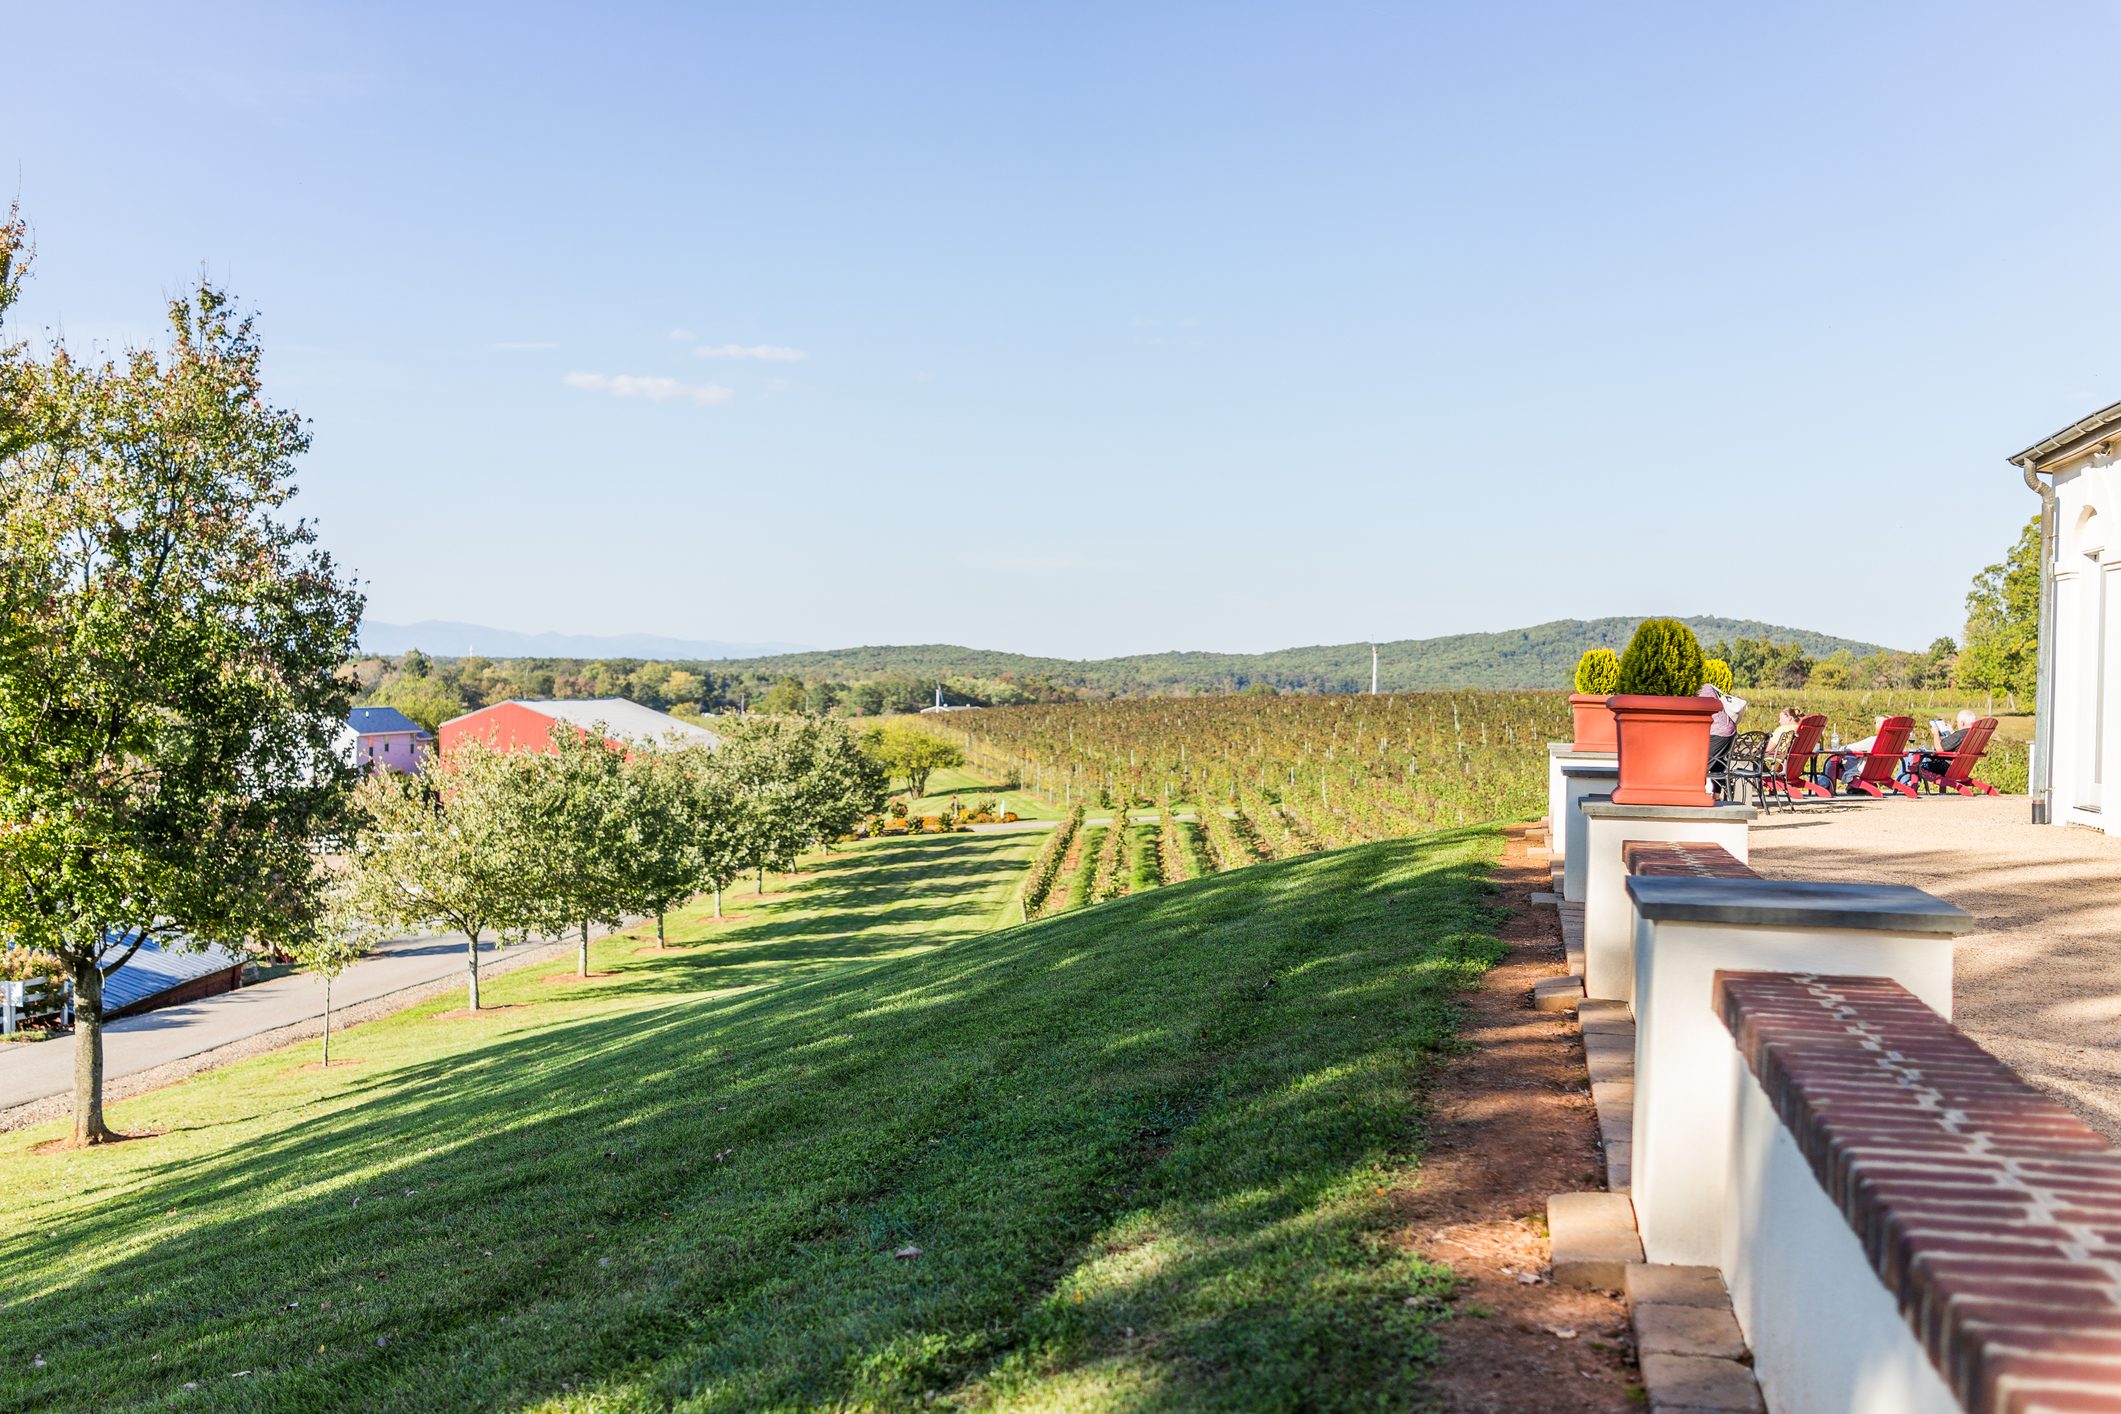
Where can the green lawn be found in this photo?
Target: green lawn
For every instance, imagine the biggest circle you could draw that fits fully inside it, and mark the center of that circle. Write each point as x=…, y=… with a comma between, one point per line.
x=1143, y=1152
x=972, y=786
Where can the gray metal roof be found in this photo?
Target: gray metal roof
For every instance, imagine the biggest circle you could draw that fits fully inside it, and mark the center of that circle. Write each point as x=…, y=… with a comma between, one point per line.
x=371, y=721
x=2104, y=418
x=624, y=720
x=155, y=969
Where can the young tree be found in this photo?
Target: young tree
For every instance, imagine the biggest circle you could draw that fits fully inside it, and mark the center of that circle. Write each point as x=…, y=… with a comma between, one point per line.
x=168, y=683
x=328, y=951
x=839, y=783
x=442, y=852
x=665, y=810
x=570, y=818
x=904, y=749
x=767, y=761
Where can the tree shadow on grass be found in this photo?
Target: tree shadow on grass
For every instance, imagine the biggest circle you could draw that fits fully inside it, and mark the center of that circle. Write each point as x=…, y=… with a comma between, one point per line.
x=1158, y=1115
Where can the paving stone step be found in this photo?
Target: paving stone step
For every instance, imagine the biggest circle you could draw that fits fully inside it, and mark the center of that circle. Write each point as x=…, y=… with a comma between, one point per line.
x=1557, y=993
x=1677, y=1383
x=1662, y=1284
x=1592, y=1239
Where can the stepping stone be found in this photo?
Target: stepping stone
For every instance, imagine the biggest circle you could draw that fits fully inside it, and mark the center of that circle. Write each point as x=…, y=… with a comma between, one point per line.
x=1688, y=1330
x=1664, y=1284
x=1604, y=1014
x=1592, y=1239
x=1695, y=1382
x=1544, y=899
x=1557, y=993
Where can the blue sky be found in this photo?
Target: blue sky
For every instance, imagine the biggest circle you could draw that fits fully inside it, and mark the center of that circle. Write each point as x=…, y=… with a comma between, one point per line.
x=1094, y=329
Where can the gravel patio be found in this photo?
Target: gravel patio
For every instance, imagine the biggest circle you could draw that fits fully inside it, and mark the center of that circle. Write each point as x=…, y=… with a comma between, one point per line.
x=2038, y=982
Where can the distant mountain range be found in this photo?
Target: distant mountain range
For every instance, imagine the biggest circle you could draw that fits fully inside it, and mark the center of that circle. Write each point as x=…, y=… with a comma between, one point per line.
x=441, y=639
x=1540, y=656
x=1543, y=655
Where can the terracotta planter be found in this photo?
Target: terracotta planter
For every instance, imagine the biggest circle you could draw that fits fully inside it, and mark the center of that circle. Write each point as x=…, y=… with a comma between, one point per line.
x=1594, y=722
x=1664, y=750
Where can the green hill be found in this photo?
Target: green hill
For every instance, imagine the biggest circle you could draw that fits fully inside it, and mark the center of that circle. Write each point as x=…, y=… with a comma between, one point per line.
x=850, y=1151
x=1540, y=656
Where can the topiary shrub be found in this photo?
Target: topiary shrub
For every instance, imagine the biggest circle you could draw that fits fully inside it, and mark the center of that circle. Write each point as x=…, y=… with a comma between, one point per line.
x=1716, y=673
x=1663, y=659
x=1597, y=671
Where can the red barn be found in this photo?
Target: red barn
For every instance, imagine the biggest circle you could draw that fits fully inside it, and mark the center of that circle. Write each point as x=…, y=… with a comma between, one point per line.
x=527, y=726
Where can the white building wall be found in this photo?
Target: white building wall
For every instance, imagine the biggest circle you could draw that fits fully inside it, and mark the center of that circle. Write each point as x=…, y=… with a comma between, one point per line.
x=2086, y=723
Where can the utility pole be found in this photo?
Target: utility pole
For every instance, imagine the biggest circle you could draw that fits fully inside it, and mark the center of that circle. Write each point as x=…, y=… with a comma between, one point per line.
x=1373, y=670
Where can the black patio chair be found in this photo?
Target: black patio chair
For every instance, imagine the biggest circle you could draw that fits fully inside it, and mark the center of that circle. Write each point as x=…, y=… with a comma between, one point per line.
x=1741, y=774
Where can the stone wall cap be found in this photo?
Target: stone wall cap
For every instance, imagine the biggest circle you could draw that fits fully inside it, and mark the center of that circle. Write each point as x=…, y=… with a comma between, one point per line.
x=1590, y=766
x=1601, y=807
x=1794, y=903
x=1568, y=748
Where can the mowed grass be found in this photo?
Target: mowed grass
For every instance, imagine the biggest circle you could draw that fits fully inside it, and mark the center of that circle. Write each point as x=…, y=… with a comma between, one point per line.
x=970, y=787
x=846, y=1152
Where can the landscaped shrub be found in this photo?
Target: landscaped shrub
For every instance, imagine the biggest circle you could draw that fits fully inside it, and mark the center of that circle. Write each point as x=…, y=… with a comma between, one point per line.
x=1716, y=673
x=1597, y=671
x=1663, y=659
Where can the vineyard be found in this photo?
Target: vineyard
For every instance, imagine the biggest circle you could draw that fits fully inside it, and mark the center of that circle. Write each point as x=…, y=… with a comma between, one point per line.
x=1261, y=777
x=1239, y=779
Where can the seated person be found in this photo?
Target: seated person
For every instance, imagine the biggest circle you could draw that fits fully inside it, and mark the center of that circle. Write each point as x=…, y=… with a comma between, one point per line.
x=1778, y=742
x=1848, y=763
x=1940, y=740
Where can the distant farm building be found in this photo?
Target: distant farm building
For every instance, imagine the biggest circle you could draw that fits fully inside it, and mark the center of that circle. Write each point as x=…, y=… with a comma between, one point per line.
x=158, y=976
x=385, y=739
x=527, y=726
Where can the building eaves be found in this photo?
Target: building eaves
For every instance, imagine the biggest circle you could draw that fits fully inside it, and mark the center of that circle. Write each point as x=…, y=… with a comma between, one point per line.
x=2105, y=420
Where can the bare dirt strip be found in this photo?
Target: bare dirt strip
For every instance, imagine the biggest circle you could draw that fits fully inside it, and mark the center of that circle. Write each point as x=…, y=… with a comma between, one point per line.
x=1511, y=1123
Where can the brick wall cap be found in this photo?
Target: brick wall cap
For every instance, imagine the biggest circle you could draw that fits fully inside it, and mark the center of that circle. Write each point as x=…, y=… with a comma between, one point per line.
x=1794, y=903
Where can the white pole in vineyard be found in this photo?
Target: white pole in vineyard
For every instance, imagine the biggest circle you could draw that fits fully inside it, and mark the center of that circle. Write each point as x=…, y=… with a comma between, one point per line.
x=1373, y=670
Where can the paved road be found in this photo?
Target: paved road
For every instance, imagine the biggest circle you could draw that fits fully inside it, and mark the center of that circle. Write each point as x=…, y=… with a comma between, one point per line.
x=136, y=1043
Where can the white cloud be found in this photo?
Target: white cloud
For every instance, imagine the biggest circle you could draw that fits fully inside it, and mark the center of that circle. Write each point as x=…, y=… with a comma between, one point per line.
x=682, y=336
x=655, y=390
x=764, y=353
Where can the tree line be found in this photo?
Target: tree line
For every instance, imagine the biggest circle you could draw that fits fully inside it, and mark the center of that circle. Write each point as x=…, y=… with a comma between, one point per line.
x=514, y=845
x=433, y=690
x=1997, y=654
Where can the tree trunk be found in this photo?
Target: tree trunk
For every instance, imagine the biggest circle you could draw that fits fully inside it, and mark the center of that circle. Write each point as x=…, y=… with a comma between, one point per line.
x=89, y=1127
x=327, y=1022
x=762, y=879
x=471, y=954
x=717, y=903
x=581, y=964
x=660, y=942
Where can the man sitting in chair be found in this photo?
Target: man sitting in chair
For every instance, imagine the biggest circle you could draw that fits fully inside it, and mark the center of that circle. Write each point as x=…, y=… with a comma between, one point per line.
x=1940, y=740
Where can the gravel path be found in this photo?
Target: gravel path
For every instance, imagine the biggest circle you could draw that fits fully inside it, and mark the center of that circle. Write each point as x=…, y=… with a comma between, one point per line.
x=2039, y=980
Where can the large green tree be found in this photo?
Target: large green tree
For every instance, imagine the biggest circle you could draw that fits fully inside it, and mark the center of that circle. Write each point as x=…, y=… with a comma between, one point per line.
x=2003, y=622
x=169, y=646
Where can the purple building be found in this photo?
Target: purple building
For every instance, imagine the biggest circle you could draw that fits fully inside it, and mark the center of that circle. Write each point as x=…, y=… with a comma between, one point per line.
x=385, y=739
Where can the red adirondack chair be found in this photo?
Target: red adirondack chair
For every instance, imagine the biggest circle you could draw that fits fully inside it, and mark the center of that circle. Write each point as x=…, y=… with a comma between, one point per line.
x=1958, y=772
x=1789, y=781
x=1883, y=762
